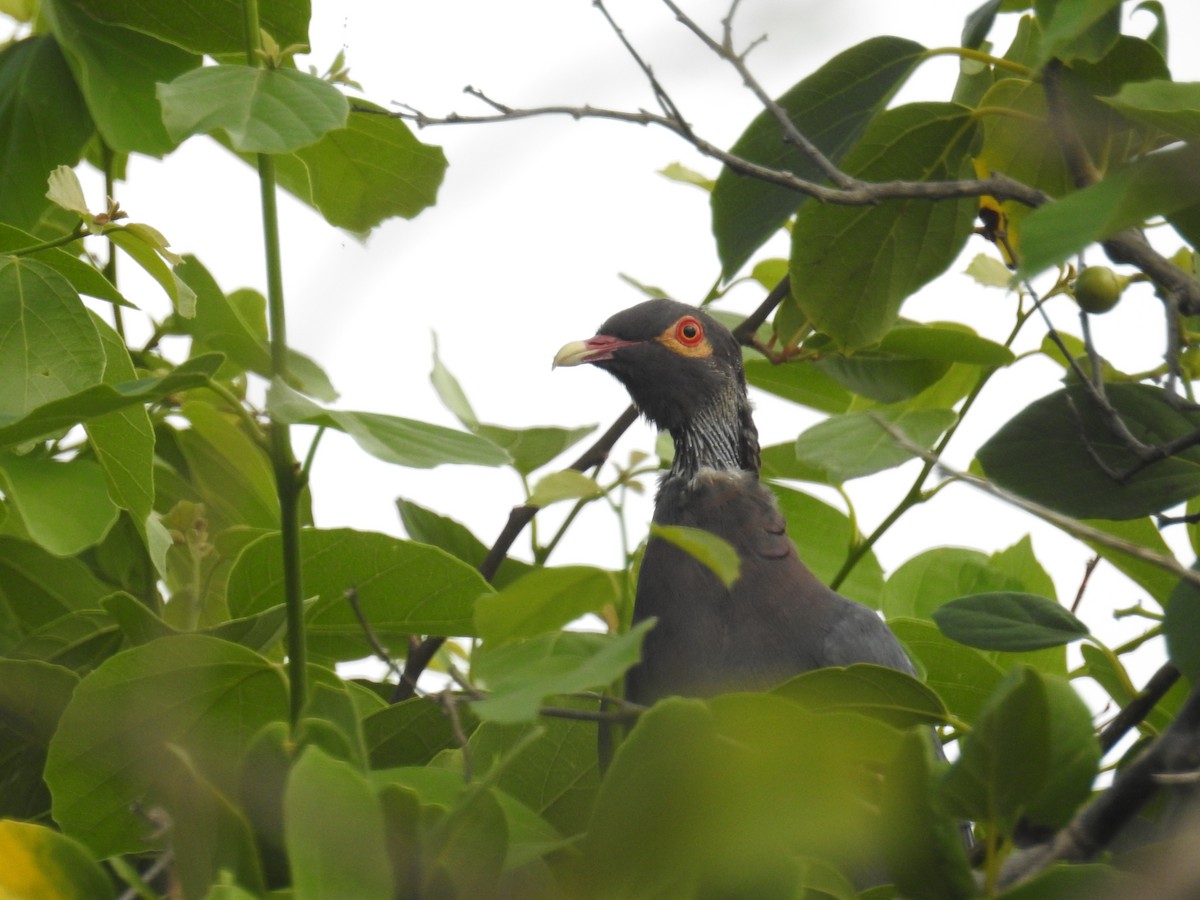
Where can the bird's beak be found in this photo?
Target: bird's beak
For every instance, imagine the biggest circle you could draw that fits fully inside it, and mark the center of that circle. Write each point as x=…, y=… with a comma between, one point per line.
x=594, y=349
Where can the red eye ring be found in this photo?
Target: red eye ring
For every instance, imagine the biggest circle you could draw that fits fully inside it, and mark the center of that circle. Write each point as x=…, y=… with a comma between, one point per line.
x=689, y=331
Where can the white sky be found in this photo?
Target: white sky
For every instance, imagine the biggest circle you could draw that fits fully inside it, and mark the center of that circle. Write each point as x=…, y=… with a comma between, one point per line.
x=535, y=221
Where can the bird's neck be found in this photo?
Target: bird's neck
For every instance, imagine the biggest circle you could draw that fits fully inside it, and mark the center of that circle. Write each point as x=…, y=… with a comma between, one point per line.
x=720, y=436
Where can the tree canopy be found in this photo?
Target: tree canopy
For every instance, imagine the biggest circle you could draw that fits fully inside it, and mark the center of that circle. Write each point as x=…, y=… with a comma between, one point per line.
x=173, y=617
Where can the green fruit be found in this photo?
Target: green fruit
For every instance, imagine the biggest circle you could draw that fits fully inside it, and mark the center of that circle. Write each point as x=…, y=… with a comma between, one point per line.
x=1098, y=288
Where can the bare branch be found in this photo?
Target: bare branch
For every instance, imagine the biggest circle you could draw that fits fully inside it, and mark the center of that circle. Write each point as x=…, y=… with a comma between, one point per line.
x=1137, y=709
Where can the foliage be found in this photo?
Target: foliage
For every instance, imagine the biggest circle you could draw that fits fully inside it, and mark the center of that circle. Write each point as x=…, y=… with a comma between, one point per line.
x=172, y=619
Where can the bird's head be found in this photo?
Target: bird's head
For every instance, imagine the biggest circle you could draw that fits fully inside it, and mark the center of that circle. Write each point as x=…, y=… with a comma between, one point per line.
x=683, y=370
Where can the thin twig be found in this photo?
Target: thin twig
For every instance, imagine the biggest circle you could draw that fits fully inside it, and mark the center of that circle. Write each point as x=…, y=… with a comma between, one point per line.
x=1139, y=707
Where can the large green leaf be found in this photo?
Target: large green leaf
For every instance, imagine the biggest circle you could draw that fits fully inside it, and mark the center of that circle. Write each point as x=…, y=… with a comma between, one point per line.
x=331, y=814
x=206, y=26
x=63, y=504
x=544, y=600
x=883, y=377
x=371, y=170
x=44, y=123
x=205, y=696
x=715, y=553
x=261, y=110
x=860, y=443
x=800, y=381
x=428, y=527
x=1074, y=756
x=858, y=264
x=722, y=795
x=83, y=276
x=102, y=399
x=33, y=695
x=413, y=732
x=1078, y=28
x=1048, y=453
x=831, y=107
x=877, y=691
x=1181, y=625
x=117, y=69
x=49, y=347
x=36, y=588
x=1008, y=620
x=964, y=678
x=1158, y=184
x=403, y=588
x=1154, y=580
x=1172, y=106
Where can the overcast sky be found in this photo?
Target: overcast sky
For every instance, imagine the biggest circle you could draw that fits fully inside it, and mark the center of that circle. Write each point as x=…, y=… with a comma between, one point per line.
x=536, y=220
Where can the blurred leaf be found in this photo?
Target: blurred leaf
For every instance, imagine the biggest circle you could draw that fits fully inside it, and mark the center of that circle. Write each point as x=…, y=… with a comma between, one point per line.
x=1171, y=106
x=229, y=468
x=262, y=110
x=989, y=271
x=1078, y=28
x=1009, y=621
x=831, y=107
x=212, y=27
x=100, y=399
x=117, y=69
x=1074, y=756
x=1155, y=580
x=779, y=462
x=44, y=123
x=78, y=641
x=857, y=444
x=190, y=691
x=64, y=505
x=412, y=733
x=41, y=862
x=567, y=484
x=922, y=846
x=33, y=695
x=1076, y=880
x=859, y=264
x=1181, y=625
x=717, y=554
x=681, y=173
x=876, y=691
x=521, y=674
x=403, y=588
x=331, y=815
x=1005, y=759
x=36, y=588
x=544, y=600
x=144, y=247
x=1048, y=451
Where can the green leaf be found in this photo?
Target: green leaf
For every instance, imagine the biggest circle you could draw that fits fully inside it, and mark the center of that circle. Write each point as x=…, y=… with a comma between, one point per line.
x=1155, y=185
x=831, y=107
x=206, y=696
x=925, y=582
x=544, y=600
x=923, y=847
x=858, y=264
x=1048, y=453
x=1172, y=106
x=84, y=277
x=989, y=271
x=212, y=27
x=823, y=537
x=371, y=170
x=857, y=444
x=948, y=342
x=403, y=588
x=43, y=124
x=877, y=691
x=404, y=442
x=413, y=732
x=532, y=448
x=1078, y=28
x=331, y=815
x=799, y=381
x=36, y=588
x=1155, y=580
x=144, y=246
x=567, y=484
x=1005, y=759
x=521, y=674
x=1074, y=756
x=33, y=695
x=50, y=348
x=714, y=552
x=261, y=110
x=116, y=69
x=1008, y=621
x=964, y=678
x=41, y=862
x=722, y=794
x=230, y=470
x=1181, y=625
x=64, y=505
x=101, y=399
x=428, y=527
x=883, y=377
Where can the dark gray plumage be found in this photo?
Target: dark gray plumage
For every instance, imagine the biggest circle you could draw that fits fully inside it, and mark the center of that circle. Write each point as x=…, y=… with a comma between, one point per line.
x=683, y=370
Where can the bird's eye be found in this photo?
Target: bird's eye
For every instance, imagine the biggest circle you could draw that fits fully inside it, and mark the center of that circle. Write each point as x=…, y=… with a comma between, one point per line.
x=689, y=331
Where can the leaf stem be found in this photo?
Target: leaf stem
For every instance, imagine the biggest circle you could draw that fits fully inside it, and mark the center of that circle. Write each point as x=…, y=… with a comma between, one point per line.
x=62, y=241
